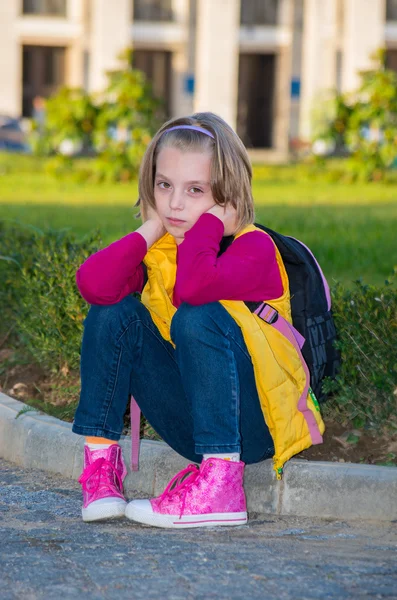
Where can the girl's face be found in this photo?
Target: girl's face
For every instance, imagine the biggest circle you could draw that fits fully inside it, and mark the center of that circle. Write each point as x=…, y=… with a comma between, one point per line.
x=182, y=189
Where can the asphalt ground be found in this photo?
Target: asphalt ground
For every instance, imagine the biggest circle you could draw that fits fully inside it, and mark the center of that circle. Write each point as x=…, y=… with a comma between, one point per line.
x=46, y=551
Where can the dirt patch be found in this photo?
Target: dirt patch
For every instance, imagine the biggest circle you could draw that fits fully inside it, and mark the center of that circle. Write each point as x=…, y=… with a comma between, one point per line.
x=55, y=395
x=58, y=396
x=344, y=444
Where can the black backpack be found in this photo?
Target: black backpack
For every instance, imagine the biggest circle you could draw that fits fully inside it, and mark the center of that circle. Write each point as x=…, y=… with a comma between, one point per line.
x=310, y=307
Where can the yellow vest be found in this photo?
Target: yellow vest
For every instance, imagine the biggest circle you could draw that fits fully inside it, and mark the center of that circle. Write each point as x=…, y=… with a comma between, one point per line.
x=279, y=373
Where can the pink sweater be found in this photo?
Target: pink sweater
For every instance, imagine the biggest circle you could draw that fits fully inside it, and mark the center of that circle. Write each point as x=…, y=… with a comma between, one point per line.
x=247, y=271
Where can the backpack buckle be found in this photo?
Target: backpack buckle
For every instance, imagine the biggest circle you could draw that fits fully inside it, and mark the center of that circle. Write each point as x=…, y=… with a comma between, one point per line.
x=266, y=313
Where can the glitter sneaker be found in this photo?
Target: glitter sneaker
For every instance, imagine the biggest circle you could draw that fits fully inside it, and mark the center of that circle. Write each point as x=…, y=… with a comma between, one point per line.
x=102, y=483
x=208, y=496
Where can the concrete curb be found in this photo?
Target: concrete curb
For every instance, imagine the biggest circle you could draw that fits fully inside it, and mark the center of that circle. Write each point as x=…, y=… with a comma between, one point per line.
x=308, y=489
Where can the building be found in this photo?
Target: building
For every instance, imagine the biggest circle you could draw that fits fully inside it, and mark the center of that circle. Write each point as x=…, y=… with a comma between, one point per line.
x=261, y=64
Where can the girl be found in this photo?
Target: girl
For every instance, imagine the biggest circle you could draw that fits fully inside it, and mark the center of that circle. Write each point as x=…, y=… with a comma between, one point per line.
x=220, y=385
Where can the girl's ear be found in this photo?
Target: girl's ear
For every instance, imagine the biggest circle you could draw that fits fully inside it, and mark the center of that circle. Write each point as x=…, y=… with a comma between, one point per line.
x=146, y=211
x=141, y=213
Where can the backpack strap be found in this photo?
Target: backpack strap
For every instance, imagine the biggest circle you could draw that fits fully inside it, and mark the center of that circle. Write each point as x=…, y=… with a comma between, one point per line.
x=135, y=417
x=272, y=317
x=268, y=314
x=225, y=243
x=145, y=275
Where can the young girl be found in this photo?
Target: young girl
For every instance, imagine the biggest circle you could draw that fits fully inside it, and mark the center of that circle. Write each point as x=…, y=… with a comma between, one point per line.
x=218, y=383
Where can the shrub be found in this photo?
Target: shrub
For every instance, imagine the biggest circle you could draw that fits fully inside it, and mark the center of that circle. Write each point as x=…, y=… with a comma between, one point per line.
x=40, y=296
x=331, y=122
x=15, y=250
x=128, y=117
x=365, y=122
x=69, y=115
x=114, y=126
x=365, y=390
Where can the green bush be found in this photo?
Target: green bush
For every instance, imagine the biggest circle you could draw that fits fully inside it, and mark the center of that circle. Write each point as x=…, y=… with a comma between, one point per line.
x=365, y=391
x=15, y=250
x=69, y=115
x=38, y=295
x=40, y=298
x=114, y=126
x=365, y=122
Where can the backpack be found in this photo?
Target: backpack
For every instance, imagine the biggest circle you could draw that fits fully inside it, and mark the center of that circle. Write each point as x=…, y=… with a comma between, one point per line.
x=310, y=307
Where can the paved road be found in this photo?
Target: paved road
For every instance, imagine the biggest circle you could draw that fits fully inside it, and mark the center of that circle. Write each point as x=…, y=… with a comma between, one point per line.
x=46, y=551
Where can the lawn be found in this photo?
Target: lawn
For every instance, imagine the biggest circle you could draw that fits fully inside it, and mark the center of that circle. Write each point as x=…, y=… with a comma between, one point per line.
x=351, y=228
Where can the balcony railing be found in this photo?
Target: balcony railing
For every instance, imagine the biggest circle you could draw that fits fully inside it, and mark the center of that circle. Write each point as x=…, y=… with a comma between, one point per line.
x=44, y=7
x=391, y=10
x=259, y=12
x=153, y=10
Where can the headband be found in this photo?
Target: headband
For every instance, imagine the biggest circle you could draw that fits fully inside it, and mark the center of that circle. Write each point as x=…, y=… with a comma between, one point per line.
x=194, y=127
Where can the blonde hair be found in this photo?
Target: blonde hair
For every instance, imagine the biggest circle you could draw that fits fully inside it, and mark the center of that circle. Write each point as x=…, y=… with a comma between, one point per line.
x=231, y=171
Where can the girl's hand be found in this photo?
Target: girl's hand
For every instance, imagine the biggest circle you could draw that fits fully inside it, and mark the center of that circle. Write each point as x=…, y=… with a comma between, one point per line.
x=228, y=215
x=152, y=229
x=148, y=213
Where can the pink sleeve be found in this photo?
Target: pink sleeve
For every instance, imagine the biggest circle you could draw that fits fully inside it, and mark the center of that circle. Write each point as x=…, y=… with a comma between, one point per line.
x=109, y=275
x=247, y=271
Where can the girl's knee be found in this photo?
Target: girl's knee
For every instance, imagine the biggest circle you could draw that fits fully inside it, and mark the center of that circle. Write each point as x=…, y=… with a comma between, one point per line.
x=109, y=314
x=190, y=321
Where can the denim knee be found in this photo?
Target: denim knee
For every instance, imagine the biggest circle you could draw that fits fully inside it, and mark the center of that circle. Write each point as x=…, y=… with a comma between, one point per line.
x=190, y=322
x=104, y=318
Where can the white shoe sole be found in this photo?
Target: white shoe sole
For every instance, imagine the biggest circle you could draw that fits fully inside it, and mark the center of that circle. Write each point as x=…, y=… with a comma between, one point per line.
x=141, y=512
x=98, y=511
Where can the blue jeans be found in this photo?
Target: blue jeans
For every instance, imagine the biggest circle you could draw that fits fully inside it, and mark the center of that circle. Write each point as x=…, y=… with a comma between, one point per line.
x=200, y=397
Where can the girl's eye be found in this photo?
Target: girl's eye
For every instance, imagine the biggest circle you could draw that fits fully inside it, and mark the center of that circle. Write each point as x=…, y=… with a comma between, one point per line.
x=163, y=185
x=196, y=190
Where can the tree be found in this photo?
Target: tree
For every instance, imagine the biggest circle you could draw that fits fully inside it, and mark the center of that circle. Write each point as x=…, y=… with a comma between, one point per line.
x=365, y=121
x=115, y=125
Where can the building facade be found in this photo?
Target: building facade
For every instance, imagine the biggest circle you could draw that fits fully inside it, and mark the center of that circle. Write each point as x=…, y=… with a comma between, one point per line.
x=263, y=65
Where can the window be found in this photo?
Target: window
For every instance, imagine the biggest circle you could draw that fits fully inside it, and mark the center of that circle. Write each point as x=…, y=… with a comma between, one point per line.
x=153, y=10
x=44, y=7
x=391, y=59
x=259, y=12
x=391, y=10
x=43, y=72
x=255, y=111
x=156, y=64
x=54, y=66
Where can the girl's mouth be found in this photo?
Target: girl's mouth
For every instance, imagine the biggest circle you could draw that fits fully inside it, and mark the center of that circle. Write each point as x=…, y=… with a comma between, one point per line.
x=175, y=222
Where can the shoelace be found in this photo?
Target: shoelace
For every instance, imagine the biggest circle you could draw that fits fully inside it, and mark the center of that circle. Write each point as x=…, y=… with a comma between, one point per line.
x=97, y=465
x=180, y=484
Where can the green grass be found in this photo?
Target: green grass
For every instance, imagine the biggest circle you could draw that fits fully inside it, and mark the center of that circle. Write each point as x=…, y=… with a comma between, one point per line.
x=351, y=228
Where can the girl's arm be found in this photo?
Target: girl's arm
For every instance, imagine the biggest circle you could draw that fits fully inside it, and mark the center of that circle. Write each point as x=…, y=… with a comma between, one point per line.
x=109, y=275
x=247, y=271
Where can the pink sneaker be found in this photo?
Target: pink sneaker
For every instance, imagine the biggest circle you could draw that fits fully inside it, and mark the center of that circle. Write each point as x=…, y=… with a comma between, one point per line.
x=197, y=497
x=102, y=483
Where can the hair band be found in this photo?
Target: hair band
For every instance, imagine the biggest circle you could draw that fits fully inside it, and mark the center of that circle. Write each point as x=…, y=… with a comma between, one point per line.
x=194, y=127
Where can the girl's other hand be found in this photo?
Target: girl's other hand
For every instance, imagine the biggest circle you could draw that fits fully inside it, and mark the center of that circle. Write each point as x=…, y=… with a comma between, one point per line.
x=228, y=215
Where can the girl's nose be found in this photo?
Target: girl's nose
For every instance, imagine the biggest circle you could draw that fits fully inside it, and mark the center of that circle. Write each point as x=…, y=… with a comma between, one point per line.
x=176, y=200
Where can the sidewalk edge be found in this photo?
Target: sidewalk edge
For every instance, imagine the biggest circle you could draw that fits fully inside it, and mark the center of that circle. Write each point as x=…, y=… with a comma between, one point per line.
x=316, y=489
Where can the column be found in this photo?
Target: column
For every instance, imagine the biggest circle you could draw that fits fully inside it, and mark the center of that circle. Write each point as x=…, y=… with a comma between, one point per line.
x=181, y=100
x=110, y=34
x=319, y=44
x=296, y=72
x=10, y=61
x=74, y=76
x=217, y=54
x=283, y=79
x=364, y=33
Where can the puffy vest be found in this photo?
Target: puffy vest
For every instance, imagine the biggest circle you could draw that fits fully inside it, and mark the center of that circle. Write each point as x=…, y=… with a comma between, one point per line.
x=279, y=373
